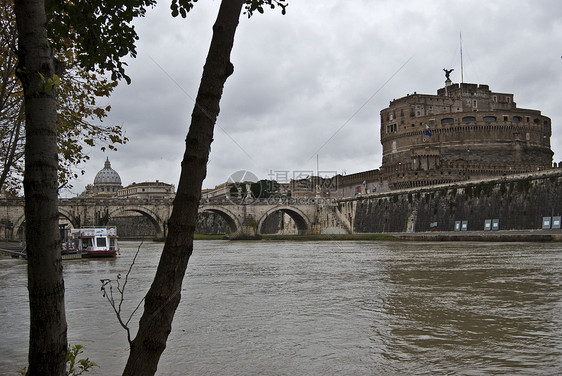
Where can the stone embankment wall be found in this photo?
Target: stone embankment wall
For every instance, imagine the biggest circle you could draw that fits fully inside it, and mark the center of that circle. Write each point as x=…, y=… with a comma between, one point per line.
x=133, y=227
x=210, y=224
x=519, y=202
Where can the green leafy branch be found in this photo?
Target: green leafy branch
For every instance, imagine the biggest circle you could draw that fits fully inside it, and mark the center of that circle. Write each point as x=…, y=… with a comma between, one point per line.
x=75, y=366
x=182, y=7
x=47, y=84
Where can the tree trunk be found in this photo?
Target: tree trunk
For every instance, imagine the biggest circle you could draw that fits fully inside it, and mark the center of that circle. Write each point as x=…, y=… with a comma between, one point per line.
x=47, y=336
x=164, y=294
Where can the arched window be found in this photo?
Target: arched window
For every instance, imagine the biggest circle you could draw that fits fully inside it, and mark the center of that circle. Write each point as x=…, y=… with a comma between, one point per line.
x=490, y=119
x=468, y=119
x=447, y=121
x=516, y=119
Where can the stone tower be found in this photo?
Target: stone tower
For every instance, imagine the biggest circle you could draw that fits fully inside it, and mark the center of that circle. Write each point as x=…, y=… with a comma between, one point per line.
x=464, y=132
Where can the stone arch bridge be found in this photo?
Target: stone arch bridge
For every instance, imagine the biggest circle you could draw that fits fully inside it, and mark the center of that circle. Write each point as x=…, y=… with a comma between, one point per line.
x=311, y=216
x=526, y=201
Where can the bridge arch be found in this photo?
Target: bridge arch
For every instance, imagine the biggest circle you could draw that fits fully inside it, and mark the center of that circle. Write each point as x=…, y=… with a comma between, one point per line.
x=18, y=226
x=69, y=216
x=301, y=219
x=228, y=216
x=158, y=223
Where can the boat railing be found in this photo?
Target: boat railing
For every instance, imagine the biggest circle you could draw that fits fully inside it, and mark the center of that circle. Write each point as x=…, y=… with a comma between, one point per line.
x=97, y=231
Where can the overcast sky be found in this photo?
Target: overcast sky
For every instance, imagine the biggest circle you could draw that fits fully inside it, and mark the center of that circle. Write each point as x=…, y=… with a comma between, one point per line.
x=313, y=82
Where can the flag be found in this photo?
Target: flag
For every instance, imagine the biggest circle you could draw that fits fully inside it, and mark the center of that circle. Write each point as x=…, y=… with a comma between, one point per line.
x=427, y=131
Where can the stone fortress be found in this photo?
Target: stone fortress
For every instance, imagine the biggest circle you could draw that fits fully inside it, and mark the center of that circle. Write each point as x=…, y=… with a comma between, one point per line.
x=465, y=132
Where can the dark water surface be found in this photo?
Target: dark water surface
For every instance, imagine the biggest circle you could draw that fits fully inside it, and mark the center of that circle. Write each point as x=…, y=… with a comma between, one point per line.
x=322, y=308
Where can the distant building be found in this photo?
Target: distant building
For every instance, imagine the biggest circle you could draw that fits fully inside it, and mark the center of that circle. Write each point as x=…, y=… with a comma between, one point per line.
x=107, y=181
x=464, y=132
x=360, y=183
x=147, y=190
x=220, y=193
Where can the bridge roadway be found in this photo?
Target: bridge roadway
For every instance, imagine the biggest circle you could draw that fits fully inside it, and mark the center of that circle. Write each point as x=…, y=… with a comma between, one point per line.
x=311, y=215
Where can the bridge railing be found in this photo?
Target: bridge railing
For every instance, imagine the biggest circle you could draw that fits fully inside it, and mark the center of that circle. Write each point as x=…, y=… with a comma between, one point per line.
x=115, y=201
x=12, y=201
x=275, y=200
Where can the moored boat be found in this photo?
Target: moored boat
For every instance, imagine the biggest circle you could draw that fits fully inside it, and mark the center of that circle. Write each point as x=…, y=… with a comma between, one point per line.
x=95, y=241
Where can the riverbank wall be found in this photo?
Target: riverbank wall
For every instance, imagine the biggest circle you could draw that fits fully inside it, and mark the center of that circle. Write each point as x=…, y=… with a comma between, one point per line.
x=519, y=202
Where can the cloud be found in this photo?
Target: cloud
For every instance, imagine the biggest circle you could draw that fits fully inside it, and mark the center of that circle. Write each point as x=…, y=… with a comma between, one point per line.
x=313, y=82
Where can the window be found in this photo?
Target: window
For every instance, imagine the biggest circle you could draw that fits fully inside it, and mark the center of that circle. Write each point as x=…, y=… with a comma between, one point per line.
x=474, y=103
x=516, y=119
x=468, y=119
x=100, y=242
x=87, y=243
x=447, y=121
x=489, y=119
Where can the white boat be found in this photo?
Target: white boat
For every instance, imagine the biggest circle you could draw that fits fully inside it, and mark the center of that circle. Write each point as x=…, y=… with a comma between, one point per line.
x=95, y=241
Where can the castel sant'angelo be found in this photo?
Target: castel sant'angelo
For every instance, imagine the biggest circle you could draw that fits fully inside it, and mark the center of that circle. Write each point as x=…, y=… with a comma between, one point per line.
x=465, y=132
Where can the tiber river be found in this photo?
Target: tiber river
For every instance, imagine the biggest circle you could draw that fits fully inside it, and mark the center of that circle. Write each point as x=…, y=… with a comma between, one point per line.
x=322, y=308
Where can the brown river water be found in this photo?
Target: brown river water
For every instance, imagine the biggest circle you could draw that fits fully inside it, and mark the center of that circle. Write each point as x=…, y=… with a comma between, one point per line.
x=321, y=308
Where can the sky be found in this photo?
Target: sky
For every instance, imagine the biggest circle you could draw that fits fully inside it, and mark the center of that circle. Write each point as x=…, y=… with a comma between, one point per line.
x=308, y=87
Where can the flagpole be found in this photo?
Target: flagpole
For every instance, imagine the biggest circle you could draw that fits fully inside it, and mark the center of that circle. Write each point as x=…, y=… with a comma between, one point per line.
x=462, y=72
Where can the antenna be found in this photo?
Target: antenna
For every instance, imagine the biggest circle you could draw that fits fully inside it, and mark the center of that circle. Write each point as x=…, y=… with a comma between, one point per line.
x=462, y=72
